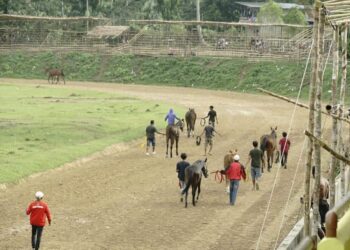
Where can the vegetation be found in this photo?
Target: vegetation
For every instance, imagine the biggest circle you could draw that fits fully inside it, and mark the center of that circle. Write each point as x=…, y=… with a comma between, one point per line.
x=294, y=16
x=270, y=12
x=212, y=73
x=44, y=127
x=122, y=10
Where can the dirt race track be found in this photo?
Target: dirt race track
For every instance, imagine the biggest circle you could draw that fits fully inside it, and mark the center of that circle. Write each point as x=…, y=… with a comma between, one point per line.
x=122, y=199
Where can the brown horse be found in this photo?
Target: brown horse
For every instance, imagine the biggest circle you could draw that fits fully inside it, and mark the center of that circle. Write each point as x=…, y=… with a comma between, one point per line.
x=190, y=118
x=193, y=178
x=173, y=134
x=55, y=74
x=268, y=143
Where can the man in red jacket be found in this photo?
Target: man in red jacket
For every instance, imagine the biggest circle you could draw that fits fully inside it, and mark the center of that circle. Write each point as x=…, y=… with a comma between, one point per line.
x=38, y=211
x=284, y=148
x=234, y=173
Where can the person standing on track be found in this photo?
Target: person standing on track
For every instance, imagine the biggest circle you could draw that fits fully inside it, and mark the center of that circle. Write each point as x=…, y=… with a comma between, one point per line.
x=284, y=148
x=209, y=134
x=151, y=138
x=180, y=169
x=235, y=173
x=38, y=211
x=212, y=116
x=256, y=159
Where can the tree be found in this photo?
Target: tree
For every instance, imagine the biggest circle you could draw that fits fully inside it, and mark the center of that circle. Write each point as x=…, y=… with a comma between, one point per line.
x=223, y=10
x=295, y=16
x=270, y=12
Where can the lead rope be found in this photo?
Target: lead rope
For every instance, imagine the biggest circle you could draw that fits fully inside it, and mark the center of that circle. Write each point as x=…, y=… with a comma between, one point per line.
x=290, y=125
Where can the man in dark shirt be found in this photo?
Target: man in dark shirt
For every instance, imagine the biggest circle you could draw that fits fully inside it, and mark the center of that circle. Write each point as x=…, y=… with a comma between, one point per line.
x=212, y=116
x=180, y=169
x=209, y=134
x=151, y=139
x=256, y=159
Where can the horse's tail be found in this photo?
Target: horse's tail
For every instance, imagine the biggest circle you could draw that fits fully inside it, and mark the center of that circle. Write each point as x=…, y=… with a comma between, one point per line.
x=263, y=141
x=185, y=190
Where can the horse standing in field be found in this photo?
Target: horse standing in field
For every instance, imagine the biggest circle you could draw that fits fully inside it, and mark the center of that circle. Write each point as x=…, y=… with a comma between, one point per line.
x=173, y=134
x=190, y=118
x=55, y=74
x=193, y=178
x=268, y=143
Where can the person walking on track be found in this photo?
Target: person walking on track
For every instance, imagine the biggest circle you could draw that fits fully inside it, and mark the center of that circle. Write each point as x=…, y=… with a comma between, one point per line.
x=212, y=116
x=180, y=169
x=235, y=173
x=209, y=134
x=151, y=138
x=256, y=159
x=284, y=148
x=38, y=211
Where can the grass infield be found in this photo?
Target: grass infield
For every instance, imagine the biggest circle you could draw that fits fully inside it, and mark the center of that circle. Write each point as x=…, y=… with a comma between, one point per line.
x=44, y=127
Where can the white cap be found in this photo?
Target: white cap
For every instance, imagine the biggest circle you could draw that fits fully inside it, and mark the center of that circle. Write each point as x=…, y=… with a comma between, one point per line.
x=39, y=195
x=236, y=157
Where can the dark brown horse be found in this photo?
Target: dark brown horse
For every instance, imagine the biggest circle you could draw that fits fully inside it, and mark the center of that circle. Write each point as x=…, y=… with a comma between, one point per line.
x=55, y=74
x=193, y=178
x=268, y=143
x=173, y=134
x=190, y=118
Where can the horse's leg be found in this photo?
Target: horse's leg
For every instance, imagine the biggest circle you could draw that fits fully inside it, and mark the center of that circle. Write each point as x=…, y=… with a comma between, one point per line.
x=186, y=194
x=171, y=147
x=177, y=145
x=199, y=188
x=167, y=146
x=188, y=130
x=194, y=189
x=48, y=79
x=64, y=81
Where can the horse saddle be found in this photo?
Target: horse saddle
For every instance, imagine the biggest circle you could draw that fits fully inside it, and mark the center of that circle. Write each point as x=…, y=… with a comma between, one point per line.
x=198, y=140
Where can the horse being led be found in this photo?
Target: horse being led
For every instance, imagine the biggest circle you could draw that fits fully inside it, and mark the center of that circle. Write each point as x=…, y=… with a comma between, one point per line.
x=173, y=134
x=193, y=178
x=55, y=74
x=268, y=143
x=190, y=118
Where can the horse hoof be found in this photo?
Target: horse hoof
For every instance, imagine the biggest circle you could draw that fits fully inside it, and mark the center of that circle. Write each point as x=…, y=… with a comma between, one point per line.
x=181, y=199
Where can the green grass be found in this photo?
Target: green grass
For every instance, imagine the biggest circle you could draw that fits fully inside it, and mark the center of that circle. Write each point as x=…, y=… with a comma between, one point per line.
x=200, y=72
x=43, y=127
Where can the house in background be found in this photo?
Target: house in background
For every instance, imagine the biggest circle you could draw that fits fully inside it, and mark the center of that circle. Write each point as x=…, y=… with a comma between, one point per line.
x=249, y=10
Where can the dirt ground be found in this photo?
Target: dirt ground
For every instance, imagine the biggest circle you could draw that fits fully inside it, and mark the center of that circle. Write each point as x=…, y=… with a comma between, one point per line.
x=122, y=199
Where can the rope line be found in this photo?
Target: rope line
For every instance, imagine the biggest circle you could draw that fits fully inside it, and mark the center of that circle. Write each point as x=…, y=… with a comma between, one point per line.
x=278, y=169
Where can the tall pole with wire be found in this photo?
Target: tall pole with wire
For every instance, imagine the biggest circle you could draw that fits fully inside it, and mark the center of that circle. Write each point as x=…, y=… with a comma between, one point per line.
x=311, y=122
x=318, y=124
x=334, y=111
x=344, y=45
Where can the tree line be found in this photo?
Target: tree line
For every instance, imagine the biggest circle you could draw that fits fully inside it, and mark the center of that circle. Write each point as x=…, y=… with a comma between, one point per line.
x=122, y=10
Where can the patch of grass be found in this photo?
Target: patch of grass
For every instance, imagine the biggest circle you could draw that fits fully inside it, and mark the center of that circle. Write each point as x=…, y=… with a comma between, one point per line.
x=42, y=128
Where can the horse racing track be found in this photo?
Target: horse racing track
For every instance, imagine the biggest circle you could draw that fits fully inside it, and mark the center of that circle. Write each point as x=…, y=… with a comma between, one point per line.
x=122, y=199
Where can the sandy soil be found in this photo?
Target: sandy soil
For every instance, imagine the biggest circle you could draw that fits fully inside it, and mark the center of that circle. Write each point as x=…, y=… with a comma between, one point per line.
x=122, y=199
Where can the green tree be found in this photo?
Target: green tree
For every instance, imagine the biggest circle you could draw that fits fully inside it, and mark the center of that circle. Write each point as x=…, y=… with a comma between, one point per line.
x=223, y=10
x=270, y=12
x=295, y=16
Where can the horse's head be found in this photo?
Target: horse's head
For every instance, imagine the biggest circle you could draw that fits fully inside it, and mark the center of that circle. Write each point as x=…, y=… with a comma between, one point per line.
x=191, y=110
x=180, y=124
x=204, y=168
x=273, y=132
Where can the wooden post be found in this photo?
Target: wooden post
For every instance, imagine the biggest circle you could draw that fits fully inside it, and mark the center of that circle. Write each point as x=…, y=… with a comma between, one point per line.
x=318, y=123
x=344, y=42
x=334, y=112
x=312, y=96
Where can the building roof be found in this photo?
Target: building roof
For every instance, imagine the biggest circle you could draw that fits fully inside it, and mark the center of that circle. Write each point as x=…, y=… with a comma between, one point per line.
x=107, y=31
x=285, y=6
